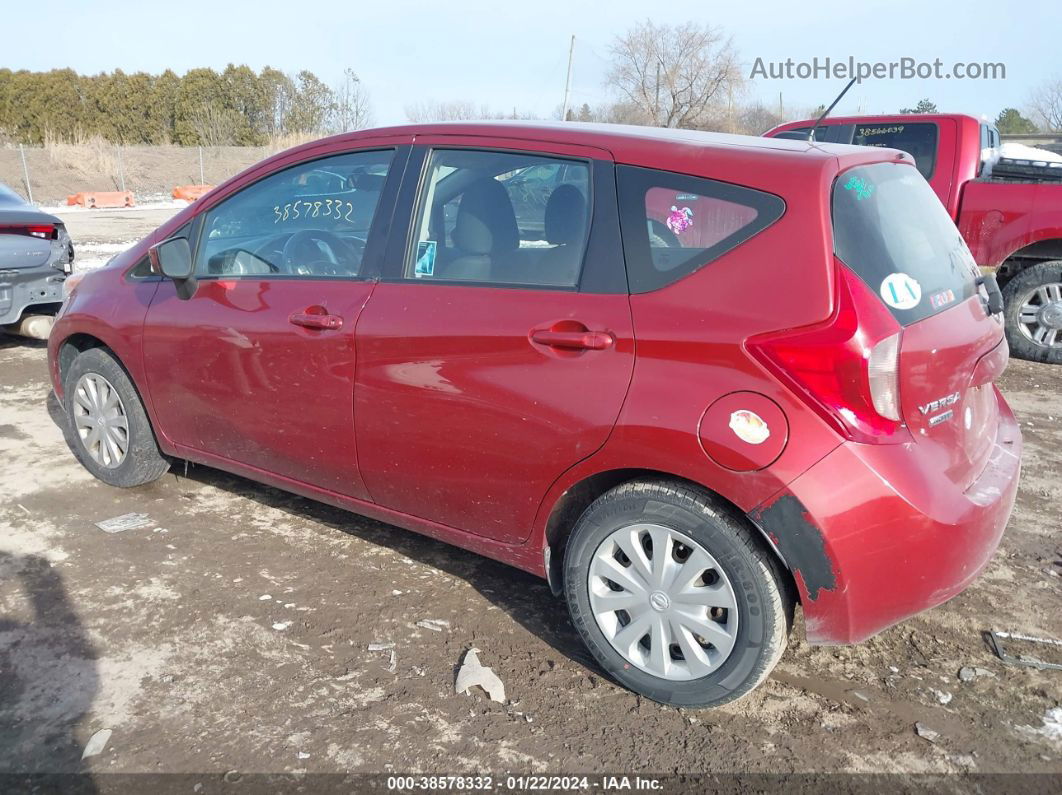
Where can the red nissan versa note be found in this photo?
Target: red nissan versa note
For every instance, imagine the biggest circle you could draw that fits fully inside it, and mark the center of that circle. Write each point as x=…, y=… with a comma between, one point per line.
x=691, y=379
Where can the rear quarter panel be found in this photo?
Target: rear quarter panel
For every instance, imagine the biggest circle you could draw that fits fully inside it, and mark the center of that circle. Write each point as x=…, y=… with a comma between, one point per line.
x=690, y=337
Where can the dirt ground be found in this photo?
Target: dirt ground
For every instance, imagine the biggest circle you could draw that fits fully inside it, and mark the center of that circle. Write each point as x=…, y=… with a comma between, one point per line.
x=148, y=171
x=231, y=633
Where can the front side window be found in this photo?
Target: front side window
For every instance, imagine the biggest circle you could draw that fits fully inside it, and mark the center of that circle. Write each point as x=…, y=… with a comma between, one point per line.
x=311, y=220
x=501, y=218
x=674, y=224
x=918, y=139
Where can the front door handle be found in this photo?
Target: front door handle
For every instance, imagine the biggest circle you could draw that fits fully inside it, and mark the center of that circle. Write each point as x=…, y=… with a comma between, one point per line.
x=316, y=317
x=574, y=340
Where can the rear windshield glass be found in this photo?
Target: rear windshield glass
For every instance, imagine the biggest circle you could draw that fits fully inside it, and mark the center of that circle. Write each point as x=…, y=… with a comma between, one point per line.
x=891, y=229
x=918, y=139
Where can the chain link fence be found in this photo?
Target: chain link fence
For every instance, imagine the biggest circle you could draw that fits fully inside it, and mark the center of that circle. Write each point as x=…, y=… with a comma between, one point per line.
x=46, y=175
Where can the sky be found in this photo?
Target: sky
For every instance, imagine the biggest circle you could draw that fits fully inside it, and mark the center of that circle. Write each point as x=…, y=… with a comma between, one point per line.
x=513, y=55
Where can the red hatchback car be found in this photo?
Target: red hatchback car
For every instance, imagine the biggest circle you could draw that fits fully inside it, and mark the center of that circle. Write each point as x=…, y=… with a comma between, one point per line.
x=691, y=379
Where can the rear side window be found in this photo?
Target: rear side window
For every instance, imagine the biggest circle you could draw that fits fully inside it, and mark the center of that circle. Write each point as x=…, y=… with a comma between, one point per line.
x=674, y=224
x=918, y=139
x=891, y=229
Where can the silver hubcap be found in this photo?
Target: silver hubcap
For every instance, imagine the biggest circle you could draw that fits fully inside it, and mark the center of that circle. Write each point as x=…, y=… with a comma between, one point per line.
x=100, y=419
x=663, y=602
x=1040, y=316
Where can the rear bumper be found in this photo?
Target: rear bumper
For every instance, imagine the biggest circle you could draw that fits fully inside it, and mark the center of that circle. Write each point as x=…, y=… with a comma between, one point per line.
x=20, y=289
x=874, y=534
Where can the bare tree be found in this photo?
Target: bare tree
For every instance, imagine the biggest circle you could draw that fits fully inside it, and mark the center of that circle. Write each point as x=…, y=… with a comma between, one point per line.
x=458, y=110
x=454, y=110
x=675, y=75
x=756, y=119
x=1046, y=105
x=214, y=125
x=353, y=110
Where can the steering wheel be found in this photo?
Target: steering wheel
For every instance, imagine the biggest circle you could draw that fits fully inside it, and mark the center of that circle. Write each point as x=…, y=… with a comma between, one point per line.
x=335, y=250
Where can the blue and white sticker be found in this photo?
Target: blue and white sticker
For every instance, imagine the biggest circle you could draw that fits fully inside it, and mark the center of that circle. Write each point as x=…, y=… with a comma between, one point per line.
x=425, y=259
x=901, y=291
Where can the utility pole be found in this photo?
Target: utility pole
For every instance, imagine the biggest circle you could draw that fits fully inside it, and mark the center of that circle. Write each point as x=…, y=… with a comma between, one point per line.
x=730, y=106
x=656, y=105
x=568, y=81
x=25, y=173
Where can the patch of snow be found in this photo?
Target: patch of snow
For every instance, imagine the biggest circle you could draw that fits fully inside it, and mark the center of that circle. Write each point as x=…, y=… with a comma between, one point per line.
x=90, y=256
x=1022, y=152
x=155, y=204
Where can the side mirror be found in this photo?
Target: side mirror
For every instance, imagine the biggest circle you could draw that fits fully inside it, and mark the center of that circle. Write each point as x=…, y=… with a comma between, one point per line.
x=175, y=258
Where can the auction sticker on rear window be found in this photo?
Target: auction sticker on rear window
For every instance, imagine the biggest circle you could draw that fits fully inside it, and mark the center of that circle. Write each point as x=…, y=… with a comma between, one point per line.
x=941, y=299
x=900, y=291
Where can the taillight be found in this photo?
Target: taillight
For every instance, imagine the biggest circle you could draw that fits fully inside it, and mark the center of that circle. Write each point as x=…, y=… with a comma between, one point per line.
x=44, y=231
x=883, y=369
x=847, y=368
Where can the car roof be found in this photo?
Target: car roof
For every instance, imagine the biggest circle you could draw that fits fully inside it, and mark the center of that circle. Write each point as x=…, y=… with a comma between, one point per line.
x=619, y=139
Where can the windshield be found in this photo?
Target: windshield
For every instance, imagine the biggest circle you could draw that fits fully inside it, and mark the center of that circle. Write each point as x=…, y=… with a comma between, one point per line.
x=918, y=139
x=890, y=228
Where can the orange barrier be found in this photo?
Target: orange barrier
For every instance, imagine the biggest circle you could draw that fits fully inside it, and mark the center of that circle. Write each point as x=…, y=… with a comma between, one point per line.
x=191, y=192
x=102, y=198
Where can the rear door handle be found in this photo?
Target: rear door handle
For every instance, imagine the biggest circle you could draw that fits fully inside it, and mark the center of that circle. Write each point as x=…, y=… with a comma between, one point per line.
x=574, y=340
x=315, y=320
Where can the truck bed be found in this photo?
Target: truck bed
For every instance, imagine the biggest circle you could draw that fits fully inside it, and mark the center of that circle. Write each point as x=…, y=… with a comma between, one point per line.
x=1011, y=169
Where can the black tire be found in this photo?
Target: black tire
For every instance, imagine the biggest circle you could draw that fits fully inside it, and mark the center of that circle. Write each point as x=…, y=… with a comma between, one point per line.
x=765, y=609
x=143, y=462
x=1015, y=293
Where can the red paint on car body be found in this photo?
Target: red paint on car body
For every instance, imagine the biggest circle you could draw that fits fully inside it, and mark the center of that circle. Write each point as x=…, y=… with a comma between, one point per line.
x=467, y=413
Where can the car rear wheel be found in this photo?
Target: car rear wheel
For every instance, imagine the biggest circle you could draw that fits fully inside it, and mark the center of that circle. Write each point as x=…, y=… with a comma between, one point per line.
x=108, y=429
x=1033, y=312
x=675, y=596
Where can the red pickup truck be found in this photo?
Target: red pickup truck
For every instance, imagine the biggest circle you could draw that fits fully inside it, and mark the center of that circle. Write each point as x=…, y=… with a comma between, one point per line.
x=1008, y=210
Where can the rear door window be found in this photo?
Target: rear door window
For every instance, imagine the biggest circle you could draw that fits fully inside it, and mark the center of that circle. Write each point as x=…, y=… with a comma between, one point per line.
x=891, y=229
x=674, y=224
x=502, y=218
x=918, y=139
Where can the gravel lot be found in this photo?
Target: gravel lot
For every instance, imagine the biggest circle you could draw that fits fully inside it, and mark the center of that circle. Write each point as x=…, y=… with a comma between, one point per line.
x=231, y=633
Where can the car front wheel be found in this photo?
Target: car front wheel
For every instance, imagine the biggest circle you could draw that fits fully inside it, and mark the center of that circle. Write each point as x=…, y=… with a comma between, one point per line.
x=108, y=428
x=674, y=596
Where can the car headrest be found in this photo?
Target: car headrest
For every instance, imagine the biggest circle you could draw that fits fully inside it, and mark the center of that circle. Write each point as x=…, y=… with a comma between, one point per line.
x=486, y=223
x=565, y=215
x=371, y=182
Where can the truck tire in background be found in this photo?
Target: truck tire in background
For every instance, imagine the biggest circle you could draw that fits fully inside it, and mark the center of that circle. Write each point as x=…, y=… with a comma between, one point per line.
x=1033, y=313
